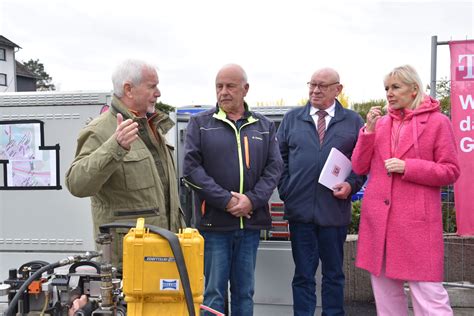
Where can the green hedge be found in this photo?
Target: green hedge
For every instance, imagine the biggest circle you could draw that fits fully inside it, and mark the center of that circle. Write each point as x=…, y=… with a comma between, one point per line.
x=354, y=226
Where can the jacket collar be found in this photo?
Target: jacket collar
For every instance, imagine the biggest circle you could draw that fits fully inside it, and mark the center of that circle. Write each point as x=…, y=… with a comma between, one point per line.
x=159, y=118
x=117, y=106
x=247, y=112
x=339, y=113
x=415, y=121
x=415, y=127
x=330, y=110
x=221, y=115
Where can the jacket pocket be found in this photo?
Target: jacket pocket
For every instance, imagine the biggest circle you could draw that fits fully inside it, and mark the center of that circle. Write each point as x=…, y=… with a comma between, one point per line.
x=137, y=169
x=413, y=207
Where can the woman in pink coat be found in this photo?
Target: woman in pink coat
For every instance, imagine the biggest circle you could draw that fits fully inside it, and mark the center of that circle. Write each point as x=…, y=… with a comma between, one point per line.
x=409, y=154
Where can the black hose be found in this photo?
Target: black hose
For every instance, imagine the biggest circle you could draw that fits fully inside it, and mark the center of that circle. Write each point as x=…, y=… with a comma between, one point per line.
x=12, y=305
x=177, y=252
x=33, y=265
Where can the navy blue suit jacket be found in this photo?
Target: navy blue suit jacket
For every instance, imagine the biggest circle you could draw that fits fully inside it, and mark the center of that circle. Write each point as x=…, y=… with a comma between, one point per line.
x=306, y=200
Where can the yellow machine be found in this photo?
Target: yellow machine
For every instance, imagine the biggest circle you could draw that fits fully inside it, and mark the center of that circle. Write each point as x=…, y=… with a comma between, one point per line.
x=152, y=283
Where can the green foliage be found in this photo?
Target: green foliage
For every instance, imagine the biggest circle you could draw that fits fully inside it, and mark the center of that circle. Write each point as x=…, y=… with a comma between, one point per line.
x=443, y=94
x=44, y=81
x=449, y=219
x=354, y=226
x=449, y=213
x=163, y=107
x=363, y=107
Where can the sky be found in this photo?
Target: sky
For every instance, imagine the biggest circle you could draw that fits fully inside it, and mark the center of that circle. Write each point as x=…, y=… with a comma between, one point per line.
x=279, y=43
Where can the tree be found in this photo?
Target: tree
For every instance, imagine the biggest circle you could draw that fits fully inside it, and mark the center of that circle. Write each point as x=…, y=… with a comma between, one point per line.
x=363, y=107
x=303, y=101
x=278, y=102
x=443, y=94
x=343, y=99
x=163, y=107
x=43, y=83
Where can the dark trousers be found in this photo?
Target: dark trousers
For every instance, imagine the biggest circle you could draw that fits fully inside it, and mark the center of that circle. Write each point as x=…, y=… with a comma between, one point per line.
x=311, y=243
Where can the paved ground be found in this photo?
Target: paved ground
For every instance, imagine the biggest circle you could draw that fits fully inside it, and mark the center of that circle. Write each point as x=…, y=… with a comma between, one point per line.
x=352, y=309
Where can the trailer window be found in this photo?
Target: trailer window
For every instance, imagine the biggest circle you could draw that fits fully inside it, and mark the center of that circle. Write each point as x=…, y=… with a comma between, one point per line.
x=3, y=79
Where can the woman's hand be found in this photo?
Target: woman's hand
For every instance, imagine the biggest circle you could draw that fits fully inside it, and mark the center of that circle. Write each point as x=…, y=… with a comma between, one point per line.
x=395, y=165
x=374, y=114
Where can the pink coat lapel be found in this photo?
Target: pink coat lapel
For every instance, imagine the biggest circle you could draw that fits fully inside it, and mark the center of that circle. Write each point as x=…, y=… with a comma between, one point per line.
x=383, y=139
x=408, y=139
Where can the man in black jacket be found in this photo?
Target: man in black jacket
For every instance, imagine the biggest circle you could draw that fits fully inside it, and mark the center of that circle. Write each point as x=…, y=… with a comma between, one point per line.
x=233, y=163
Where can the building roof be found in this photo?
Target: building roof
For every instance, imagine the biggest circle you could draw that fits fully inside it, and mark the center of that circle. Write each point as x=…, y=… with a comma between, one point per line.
x=5, y=41
x=22, y=71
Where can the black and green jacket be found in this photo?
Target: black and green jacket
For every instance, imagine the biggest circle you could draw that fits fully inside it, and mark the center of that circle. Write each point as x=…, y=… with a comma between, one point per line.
x=221, y=157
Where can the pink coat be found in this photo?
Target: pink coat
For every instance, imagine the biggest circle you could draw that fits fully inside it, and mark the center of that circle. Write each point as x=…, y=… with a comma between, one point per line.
x=401, y=219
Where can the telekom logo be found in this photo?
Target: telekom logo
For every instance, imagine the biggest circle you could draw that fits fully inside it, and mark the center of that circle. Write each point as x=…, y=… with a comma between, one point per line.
x=465, y=68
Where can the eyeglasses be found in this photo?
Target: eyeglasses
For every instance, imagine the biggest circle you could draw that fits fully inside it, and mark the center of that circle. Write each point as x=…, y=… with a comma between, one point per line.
x=321, y=87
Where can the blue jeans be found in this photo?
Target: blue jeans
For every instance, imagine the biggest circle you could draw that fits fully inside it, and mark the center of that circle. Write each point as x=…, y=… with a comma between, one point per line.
x=230, y=256
x=309, y=244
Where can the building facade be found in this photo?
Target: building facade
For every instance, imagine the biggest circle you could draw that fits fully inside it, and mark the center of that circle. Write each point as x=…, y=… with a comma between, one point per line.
x=14, y=76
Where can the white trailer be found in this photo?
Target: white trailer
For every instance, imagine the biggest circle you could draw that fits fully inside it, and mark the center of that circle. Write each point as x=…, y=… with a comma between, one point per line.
x=39, y=218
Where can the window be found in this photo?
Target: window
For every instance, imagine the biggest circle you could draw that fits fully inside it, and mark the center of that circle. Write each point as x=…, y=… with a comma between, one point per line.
x=3, y=55
x=3, y=79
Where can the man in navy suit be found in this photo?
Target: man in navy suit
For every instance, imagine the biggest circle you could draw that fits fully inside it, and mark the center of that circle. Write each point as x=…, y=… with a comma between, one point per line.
x=318, y=216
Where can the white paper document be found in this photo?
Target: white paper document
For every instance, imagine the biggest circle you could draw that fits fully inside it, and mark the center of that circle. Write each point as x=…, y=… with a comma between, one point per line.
x=335, y=170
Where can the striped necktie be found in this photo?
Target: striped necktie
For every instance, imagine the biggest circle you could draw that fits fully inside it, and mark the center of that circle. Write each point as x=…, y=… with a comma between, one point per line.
x=321, y=124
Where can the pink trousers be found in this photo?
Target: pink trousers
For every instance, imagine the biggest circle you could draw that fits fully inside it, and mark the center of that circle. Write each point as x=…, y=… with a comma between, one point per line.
x=428, y=298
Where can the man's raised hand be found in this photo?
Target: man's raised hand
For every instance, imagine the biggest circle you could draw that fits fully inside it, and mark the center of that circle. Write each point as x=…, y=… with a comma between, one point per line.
x=126, y=132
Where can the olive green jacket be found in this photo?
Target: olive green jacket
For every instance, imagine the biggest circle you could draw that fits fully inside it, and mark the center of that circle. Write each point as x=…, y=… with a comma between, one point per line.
x=124, y=185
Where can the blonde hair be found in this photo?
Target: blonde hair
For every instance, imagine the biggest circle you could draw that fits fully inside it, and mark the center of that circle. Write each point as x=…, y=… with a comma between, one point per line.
x=408, y=75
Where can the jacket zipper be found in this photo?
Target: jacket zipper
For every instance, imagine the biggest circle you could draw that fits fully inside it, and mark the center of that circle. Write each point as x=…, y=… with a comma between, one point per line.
x=239, y=150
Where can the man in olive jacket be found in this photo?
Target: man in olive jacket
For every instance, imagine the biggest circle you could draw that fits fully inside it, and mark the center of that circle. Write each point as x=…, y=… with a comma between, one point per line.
x=122, y=160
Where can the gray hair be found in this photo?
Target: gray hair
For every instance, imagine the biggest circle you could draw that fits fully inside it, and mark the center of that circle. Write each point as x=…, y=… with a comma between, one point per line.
x=129, y=71
x=408, y=75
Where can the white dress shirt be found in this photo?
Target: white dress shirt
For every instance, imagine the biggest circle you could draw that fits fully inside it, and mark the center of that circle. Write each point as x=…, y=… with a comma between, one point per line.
x=330, y=111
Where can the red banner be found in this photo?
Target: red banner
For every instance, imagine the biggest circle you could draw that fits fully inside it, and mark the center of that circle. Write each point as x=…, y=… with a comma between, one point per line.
x=462, y=116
